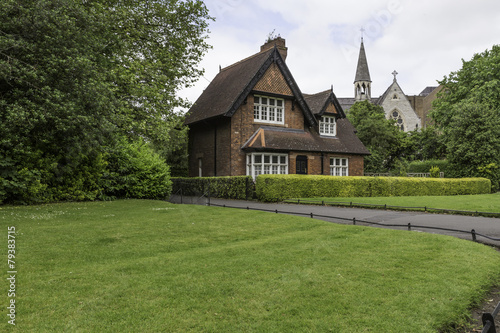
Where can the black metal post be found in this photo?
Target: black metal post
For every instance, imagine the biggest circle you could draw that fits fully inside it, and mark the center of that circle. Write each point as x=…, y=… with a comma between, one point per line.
x=489, y=323
x=489, y=320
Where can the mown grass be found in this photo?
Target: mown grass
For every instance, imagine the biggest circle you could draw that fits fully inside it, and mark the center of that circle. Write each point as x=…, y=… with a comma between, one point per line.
x=478, y=202
x=151, y=266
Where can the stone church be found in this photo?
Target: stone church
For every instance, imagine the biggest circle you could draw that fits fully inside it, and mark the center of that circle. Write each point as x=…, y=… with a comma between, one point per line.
x=409, y=112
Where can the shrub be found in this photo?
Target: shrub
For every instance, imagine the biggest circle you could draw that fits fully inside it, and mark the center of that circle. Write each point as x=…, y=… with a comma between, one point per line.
x=434, y=171
x=136, y=171
x=279, y=187
x=236, y=187
x=425, y=166
x=125, y=170
x=492, y=172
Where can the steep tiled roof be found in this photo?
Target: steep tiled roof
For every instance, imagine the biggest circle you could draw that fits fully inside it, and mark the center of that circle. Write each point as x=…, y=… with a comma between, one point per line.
x=222, y=93
x=318, y=103
x=231, y=86
x=279, y=139
x=346, y=102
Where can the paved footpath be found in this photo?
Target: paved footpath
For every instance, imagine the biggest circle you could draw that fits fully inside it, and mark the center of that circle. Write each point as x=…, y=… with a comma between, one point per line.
x=482, y=225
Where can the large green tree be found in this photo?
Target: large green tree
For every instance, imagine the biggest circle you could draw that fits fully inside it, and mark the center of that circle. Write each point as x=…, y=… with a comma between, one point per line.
x=378, y=134
x=77, y=76
x=479, y=79
x=468, y=114
x=473, y=141
x=423, y=144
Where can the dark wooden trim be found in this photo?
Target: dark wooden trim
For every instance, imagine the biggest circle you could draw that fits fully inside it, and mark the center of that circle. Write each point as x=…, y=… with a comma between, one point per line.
x=274, y=57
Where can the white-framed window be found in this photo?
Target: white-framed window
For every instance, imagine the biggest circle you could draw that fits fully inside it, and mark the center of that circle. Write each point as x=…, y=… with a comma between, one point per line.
x=339, y=166
x=327, y=126
x=269, y=109
x=266, y=163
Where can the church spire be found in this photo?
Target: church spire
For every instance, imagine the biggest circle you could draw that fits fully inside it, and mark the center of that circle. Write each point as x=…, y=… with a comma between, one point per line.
x=362, y=80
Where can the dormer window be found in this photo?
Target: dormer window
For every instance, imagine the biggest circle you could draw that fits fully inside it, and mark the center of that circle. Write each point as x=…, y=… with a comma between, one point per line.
x=327, y=126
x=268, y=110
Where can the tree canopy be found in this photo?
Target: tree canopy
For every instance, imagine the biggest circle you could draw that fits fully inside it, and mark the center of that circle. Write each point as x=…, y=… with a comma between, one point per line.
x=468, y=114
x=76, y=76
x=478, y=80
x=377, y=133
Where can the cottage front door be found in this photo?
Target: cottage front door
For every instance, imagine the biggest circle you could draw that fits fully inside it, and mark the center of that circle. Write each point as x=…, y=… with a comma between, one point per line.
x=301, y=165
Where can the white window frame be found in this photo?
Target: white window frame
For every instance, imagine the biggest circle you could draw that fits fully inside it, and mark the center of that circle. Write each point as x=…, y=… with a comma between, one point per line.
x=269, y=110
x=266, y=163
x=339, y=166
x=328, y=126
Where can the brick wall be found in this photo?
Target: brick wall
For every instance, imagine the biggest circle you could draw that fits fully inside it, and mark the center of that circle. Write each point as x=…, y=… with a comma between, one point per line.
x=200, y=146
x=243, y=127
x=241, y=130
x=356, y=165
x=209, y=142
x=224, y=141
x=315, y=160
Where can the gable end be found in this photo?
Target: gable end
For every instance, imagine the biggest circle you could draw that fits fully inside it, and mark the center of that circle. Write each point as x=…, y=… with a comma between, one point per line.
x=276, y=58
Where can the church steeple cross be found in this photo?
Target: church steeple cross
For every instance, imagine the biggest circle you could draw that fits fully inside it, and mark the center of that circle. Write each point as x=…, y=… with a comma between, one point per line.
x=394, y=73
x=362, y=32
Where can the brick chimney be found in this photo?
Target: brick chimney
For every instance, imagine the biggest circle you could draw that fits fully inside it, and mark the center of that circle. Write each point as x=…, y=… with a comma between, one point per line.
x=280, y=44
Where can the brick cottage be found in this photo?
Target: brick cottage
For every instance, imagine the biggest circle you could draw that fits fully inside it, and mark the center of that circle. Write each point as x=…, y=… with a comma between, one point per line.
x=253, y=119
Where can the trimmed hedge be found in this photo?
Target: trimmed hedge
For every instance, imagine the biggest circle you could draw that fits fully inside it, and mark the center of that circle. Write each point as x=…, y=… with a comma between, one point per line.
x=280, y=187
x=236, y=187
x=425, y=166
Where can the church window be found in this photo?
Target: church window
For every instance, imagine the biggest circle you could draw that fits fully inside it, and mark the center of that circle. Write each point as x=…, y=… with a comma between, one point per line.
x=327, y=126
x=268, y=110
x=395, y=96
x=396, y=116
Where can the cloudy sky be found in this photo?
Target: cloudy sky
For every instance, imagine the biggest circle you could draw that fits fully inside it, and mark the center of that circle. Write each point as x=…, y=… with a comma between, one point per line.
x=422, y=40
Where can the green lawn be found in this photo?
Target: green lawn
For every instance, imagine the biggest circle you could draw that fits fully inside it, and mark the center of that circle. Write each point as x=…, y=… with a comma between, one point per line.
x=479, y=202
x=151, y=266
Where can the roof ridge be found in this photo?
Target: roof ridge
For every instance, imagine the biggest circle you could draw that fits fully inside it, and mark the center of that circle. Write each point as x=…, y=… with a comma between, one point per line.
x=244, y=60
x=315, y=94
